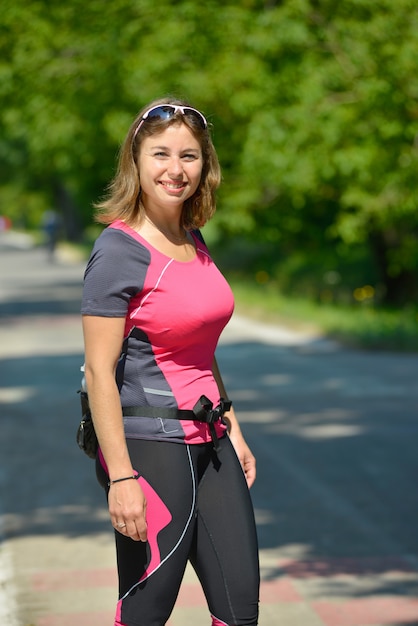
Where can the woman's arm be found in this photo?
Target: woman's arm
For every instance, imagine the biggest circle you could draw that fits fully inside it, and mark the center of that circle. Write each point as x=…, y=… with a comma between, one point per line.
x=103, y=338
x=246, y=457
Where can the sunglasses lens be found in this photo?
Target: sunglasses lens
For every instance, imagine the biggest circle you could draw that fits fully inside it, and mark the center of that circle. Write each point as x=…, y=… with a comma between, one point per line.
x=197, y=115
x=162, y=112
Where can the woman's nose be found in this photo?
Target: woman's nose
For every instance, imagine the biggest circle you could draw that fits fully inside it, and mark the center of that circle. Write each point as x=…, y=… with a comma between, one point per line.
x=175, y=168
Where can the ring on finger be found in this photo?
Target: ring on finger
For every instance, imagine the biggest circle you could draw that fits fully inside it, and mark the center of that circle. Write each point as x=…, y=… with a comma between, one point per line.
x=121, y=525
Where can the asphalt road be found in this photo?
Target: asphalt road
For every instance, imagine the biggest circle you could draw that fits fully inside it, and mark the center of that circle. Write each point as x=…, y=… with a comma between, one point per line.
x=334, y=432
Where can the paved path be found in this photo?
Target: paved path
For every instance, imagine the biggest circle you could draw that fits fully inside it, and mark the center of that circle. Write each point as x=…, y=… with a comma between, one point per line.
x=335, y=434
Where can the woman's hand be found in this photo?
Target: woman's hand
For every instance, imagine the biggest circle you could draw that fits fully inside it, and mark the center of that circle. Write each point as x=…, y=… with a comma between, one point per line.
x=127, y=508
x=245, y=456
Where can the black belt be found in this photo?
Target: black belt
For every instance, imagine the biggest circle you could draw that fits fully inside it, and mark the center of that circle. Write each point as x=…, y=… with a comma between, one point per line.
x=203, y=411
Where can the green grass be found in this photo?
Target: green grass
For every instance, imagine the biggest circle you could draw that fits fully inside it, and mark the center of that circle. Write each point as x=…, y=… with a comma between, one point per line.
x=358, y=325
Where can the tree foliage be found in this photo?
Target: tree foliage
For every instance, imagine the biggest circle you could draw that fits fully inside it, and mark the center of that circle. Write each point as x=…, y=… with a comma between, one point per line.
x=314, y=105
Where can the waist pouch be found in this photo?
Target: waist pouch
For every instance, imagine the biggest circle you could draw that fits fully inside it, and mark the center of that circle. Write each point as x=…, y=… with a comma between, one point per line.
x=203, y=411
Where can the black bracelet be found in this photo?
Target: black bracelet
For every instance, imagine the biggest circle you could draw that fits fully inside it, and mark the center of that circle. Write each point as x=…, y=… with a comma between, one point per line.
x=119, y=480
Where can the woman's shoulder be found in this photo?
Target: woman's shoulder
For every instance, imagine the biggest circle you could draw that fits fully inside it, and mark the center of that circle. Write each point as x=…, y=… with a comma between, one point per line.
x=115, y=273
x=116, y=239
x=115, y=253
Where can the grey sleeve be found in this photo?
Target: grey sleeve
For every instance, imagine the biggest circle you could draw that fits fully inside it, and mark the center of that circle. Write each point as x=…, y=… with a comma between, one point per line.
x=114, y=274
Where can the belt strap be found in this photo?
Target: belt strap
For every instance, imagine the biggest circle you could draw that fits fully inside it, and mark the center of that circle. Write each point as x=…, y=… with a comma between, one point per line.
x=203, y=411
x=158, y=411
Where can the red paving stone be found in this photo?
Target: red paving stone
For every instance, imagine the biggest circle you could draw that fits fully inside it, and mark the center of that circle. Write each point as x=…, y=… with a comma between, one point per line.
x=387, y=610
x=58, y=580
x=344, y=612
x=191, y=595
x=77, y=619
x=346, y=567
x=101, y=618
x=326, y=568
x=281, y=590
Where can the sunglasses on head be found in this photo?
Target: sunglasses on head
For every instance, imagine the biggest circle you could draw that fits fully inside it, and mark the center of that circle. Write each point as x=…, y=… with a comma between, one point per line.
x=166, y=111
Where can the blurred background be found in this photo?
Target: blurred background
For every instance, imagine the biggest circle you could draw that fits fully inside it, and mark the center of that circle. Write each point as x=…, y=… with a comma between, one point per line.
x=314, y=106
x=314, y=113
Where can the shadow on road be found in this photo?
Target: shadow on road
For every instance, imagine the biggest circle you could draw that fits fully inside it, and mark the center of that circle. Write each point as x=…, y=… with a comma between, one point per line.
x=47, y=484
x=334, y=432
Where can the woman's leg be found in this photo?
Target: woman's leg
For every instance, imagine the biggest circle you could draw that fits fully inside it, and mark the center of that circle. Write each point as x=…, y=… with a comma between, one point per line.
x=150, y=573
x=225, y=549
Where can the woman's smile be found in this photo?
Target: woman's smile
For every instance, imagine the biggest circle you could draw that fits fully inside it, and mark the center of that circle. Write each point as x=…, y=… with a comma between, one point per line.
x=169, y=186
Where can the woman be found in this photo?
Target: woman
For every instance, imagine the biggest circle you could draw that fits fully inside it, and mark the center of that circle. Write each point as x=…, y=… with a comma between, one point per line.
x=172, y=457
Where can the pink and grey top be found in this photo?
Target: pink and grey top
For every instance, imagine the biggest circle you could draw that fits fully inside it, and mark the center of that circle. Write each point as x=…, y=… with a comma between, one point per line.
x=174, y=314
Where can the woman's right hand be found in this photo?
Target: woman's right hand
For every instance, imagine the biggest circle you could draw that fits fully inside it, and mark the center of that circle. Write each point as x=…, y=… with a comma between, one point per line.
x=127, y=508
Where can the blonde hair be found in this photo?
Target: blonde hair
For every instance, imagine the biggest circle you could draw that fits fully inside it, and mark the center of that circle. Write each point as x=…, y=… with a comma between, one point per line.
x=123, y=200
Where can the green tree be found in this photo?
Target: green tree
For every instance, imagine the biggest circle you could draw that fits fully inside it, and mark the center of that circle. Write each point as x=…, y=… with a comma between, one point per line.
x=330, y=152
x=57, y=59
x=313, y=102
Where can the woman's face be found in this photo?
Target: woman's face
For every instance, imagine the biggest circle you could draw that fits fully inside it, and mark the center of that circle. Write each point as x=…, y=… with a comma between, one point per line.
x=170, y=167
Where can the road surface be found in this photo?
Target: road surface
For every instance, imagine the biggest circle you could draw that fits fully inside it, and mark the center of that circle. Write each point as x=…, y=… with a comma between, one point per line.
x=334, y=430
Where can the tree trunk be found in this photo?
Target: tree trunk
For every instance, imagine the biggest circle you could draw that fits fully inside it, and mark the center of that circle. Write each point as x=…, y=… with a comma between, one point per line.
x=398, y=289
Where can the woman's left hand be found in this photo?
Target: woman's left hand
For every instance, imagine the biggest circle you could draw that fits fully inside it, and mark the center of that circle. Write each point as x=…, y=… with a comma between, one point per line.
x=245, y=456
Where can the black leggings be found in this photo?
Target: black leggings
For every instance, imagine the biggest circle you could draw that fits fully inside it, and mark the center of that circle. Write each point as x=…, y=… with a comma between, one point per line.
x=198, y=509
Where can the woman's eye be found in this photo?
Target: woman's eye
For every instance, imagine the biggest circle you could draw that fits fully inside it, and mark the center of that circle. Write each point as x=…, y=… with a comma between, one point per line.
x=189, y=157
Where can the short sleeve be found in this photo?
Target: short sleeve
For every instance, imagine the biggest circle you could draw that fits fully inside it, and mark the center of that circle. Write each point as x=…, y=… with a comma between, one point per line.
x=114, y=274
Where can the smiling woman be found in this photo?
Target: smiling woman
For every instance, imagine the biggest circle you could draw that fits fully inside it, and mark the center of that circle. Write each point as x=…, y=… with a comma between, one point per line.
x=170, y=168
x=171, y=453
x=125, y=198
